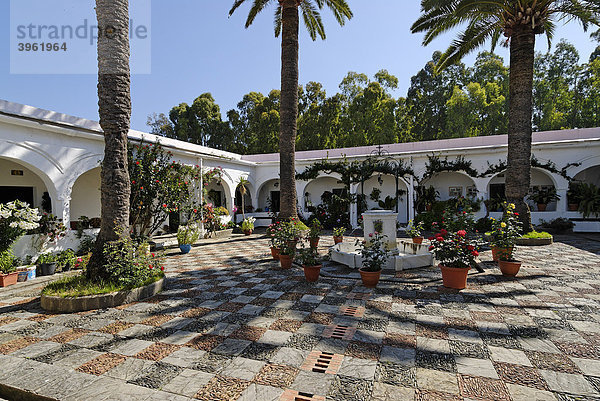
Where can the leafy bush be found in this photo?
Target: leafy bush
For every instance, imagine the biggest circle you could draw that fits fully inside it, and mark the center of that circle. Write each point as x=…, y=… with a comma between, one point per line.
x=7, y=261
x=559, y=225
x=16, y=218
x=46, y=258
x=65, y=259
x=454, y=249
x=50, y=226
x=315, y=229
x=248, y=224
x=537, y=235
x=86, y=245
x=483, y=225
x=308, y=257
x=130, y=265
x=221, y=211
x=414, y=229
x=374, y=253
x=339, y=231
x=188, y=235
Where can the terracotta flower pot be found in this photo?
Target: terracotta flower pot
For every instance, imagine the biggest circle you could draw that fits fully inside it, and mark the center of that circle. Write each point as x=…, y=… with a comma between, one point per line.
x=275, y=253
x=286, y=261
x=455, y=277
x=312, y=273
x=497, y=252
x=573, y=207
x=541, y=207
x=314, y=242
x=337, y=240
x=509, y=268
x=292, y=244
x=247, y=232
x=417, y=240
x=8, y=279
x=428, y=207
x=369, y=279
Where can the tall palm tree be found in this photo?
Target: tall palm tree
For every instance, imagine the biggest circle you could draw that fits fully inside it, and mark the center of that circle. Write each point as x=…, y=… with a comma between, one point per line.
x=114, y=102
x=287, y=21
x=243, y=188
x=519, y=21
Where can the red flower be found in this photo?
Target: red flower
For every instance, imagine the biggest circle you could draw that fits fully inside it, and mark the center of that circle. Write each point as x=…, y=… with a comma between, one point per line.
x=431, y=247
x=153, y=255
x=164, y=205
x=138, y=163
x=443, y=232
x=475, y=253
x=430, y=238
x=516, y=214
x=462, y=233
x=470, y=247
x=151, y=267
x=162, y=268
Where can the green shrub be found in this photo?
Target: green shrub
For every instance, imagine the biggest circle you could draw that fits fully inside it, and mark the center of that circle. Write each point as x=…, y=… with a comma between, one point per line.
x=559, y=225
x=129, y=264
x=7, y=262
x=187, y=235
x=537, y=235
x=46, y=258
x=86, y=245
x=65, y=259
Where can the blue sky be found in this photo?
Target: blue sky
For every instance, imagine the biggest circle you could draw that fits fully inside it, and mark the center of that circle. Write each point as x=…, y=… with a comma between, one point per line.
x=196, y=48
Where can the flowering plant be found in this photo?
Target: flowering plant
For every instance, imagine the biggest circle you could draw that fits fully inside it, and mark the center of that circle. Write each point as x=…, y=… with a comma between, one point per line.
x=373, y=252
x=454, y=249
x=414, y=230
x=339, y=231
x=187, y=235
x=315, y=229
x=272, y=234
x=506, y=231
x=16, y=218
x=308, y=257
x=50, y=226
x=248, y=224
x=288, y=231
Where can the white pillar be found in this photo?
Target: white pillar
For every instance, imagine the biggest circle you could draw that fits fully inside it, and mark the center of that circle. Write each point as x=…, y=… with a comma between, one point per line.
x=354, y=207
x=62, y=209
x=411, y=198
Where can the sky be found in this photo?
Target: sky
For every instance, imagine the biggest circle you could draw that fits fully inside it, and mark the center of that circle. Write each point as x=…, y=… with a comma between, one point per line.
x=193, y=47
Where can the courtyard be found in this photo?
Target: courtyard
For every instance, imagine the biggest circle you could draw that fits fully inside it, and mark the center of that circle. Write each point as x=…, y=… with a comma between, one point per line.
x=232, y=326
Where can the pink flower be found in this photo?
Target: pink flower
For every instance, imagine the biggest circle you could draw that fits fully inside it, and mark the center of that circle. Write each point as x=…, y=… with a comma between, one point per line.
x=462, y=233
x=371, y=235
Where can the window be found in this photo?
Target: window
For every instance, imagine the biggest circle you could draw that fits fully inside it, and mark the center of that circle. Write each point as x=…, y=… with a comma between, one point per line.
x=472, y=192
x=455, y=192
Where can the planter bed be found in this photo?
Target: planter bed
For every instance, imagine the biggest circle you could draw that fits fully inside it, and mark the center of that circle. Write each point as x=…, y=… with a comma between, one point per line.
x=534, y=241
x=221, y=234
x=102, y=301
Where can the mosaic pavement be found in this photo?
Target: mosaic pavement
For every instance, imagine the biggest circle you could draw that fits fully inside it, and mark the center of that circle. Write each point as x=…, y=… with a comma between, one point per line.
x=231, y=326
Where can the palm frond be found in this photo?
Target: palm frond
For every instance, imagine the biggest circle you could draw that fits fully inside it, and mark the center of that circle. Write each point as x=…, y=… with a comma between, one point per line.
x=257, y=7
x=236, y=5
x=312, y=20
x=277, y=22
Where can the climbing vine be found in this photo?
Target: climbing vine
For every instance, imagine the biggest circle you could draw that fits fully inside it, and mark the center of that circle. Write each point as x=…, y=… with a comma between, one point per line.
x=436, y=165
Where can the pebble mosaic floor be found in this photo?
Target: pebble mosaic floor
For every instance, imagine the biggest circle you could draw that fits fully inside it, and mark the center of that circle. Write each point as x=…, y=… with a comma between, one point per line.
x=232, y=326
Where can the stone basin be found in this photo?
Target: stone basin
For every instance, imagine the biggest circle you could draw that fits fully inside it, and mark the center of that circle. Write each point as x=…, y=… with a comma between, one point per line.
x=407, y=255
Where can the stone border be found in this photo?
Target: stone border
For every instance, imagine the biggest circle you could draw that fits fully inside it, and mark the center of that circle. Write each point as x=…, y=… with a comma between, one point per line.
x=92, y=302
x=534, y=241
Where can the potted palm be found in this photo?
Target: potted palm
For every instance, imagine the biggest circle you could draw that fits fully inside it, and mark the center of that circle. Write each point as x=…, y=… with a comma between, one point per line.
x=8, y=273
x=47, y=263
x=575, y=195
x=374, y=256
x=311, y=263
x=187, y=235
x=504, y=235
x=542, y=197
x=455, y=254
x=338, y=234
x=315, y=233
x=248, y=225
x=415, y=231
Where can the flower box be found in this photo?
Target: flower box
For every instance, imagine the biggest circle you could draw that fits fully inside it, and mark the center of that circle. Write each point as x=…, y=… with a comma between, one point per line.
x=8, y=279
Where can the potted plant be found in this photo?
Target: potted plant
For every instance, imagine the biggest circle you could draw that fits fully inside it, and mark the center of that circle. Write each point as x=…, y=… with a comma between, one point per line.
x=415, y=231
x=426, y=197
x=575, y=195
x=542, y=197
x=311, y=263
x=590, y=203
x=8, y=273
x=338, y=234
x=286, y=255
x=187, y=235
x=455, y=254
x=95, y=222
x=374, y=256
x=315, y=233
x=248, y=225
x=287, y=236
x=47, y=263
x=505, y=233
x=65, y=260
x=274, y=240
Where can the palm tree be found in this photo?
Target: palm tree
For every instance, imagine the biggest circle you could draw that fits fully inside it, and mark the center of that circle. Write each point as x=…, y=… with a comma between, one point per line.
x=242, y=187
x=114, y=102
x=287, y=21
x=519, y=21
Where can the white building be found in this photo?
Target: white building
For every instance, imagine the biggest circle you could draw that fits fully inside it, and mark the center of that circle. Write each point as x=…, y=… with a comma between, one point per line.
x=44, y=151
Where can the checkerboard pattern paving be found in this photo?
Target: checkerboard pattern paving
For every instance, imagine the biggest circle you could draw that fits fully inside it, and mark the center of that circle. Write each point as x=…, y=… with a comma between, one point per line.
x=232, y=326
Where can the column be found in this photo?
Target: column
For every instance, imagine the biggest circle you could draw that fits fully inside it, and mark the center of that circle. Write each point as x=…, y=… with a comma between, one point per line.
x=411, y=198
x=354, y=207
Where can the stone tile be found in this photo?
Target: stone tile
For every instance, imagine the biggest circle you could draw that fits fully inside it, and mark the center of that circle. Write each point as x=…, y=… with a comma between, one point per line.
x=231, y=346
x=184, y=357
x=180, y=337
x=130, y=369
x=436, y=380
x=433, y=345
x=508, y=355
x=538, y=344
x=256, y=392
x=368, y=336
x=403, y=356
x=130, y=347
x=77, y=358
x=386, y=392
x=567, y=383
x=464, y=335
x=523, y=393
x=91, y=340
x=188, y=382
x=589, y=367
x=275, y=337
x=290, y=356
x=242, y=368
x=475, y=367
x=359, y=368
x=36, y=349
x=312, y=383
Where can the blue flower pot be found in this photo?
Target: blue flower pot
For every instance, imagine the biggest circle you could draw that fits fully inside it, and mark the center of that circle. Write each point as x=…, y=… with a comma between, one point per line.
x=185, y=248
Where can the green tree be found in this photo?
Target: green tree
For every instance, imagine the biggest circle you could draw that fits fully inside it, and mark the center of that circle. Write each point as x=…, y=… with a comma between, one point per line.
x=114, y=107
x=319, y=120
x=519, y=21
x=287, y=21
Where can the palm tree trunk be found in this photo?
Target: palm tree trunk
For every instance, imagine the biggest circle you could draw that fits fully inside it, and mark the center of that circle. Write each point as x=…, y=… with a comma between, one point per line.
x=518, y=173
x=114, y=103
x=289, y=108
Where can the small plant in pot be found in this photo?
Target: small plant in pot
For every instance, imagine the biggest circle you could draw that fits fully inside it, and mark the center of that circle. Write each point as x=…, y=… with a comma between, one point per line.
x=287, y=237
x=47, y=263
x=315, y=233
x=311, y=263
x=8, y=273
x=338, y=234
x=455, y=254
x=503, y=237
x=286, y=255
x=374, y=257
x=542, y=197
x=248, y=225
x=415, y=231
x=274, y=240
x=505, y=232
x=187, y=235
x=575, y=195
x=65, y=260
